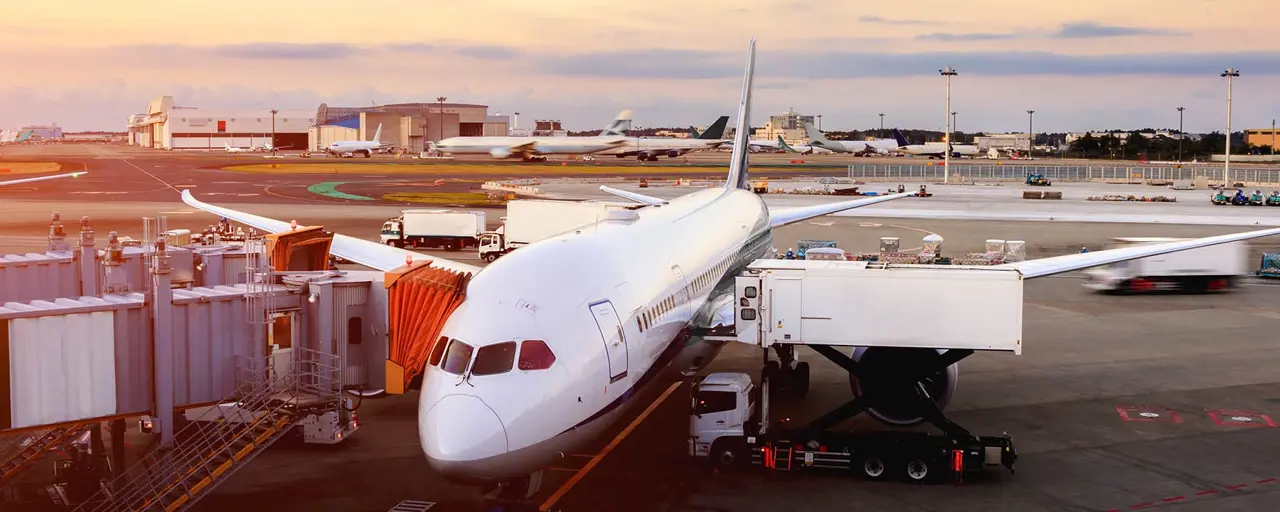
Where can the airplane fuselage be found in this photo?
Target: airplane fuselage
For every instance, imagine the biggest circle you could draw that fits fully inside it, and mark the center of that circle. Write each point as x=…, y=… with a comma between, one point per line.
x=939, y=149
x=617, y=323
x=661, y=146
x=515, y=146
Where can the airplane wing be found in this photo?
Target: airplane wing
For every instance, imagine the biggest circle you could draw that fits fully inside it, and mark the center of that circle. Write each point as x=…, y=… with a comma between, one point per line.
x=782, y=217
x=364, y=252
x=42, y=178
x=1059, y=264
x=639, y=198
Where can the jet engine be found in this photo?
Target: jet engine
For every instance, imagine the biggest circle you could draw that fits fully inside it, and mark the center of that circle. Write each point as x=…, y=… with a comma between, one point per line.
x=673, y=153
x=881, y=364
x=500, y=152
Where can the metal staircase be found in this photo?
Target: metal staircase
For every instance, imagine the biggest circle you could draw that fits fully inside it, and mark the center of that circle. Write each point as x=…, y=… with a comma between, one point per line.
x=209, y=450
x=18, y=452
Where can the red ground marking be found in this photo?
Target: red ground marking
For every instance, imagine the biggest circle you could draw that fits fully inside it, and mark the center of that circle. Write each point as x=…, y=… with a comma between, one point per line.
x=1223, y=417
x=1134, y=413
x=1234, y=487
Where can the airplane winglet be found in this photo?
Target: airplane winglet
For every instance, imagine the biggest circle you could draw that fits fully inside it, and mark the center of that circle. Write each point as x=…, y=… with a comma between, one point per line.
x=742, y=137
x=639, y=198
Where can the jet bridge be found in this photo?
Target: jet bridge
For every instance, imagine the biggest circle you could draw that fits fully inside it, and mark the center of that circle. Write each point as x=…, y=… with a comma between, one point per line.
x=905, y=326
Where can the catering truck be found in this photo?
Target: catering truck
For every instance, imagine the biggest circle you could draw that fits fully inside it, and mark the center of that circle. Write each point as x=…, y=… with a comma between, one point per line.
x=450, y=229
x=1211, y=268
x=531, y=220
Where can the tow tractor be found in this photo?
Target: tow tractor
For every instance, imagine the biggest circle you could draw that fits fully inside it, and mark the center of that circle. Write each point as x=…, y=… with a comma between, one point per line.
x=901, y=372
x=1038, y=180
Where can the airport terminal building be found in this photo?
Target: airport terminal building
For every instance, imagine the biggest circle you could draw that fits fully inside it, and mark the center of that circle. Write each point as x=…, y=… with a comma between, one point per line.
x=167, y=125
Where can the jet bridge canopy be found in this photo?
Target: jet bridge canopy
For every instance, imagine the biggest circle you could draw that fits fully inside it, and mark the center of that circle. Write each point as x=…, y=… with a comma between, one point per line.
x=846, y=303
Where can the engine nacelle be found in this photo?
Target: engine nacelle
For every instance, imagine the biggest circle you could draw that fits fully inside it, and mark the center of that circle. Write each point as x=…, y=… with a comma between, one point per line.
x=889, y=361
x=500, y=152
x=673, y=153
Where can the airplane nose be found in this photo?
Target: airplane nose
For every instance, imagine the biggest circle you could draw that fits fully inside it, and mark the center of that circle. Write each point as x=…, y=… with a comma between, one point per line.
x=458, y=434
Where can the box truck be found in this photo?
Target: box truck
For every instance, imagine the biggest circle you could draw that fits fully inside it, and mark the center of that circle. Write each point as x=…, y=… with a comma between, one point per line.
x=450, y=229
x=1212, y=268
x=531, y=220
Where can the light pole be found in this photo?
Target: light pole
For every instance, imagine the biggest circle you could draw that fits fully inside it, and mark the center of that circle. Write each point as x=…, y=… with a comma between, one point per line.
x=946, y=163
x=1273, y=136
x=882, y=125
x=1180, y=134
x=819, y=122
x=1230, y=73
x=1031, y=132
x=273, y=130
x=953, y=128
x=441, y=100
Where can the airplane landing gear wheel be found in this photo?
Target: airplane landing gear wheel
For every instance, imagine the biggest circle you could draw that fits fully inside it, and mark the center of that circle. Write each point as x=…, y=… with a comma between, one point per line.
x=873, y=467
x=917, y=470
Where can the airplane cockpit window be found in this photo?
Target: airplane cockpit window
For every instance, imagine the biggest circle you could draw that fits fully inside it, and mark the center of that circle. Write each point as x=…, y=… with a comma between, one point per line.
x=456, y=357
x=494, y=359
x=437, y=351
x=535, y=355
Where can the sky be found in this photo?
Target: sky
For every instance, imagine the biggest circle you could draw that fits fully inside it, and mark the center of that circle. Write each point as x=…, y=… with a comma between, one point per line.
x=1080, y=64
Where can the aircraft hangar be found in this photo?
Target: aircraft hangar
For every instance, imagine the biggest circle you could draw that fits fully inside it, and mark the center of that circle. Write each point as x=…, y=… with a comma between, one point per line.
x=404, y=125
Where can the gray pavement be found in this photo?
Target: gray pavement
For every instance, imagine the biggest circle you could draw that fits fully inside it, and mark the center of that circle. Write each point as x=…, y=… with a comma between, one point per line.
x=1087, y=359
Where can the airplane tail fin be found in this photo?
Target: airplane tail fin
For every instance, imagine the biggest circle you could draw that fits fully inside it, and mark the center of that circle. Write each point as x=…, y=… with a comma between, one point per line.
x=742, y=137
x=815, y=135
x=377, y=134
x=786, y=147
x=716, y=130
x=619, y=126
x=693, y=132
x=902, y=140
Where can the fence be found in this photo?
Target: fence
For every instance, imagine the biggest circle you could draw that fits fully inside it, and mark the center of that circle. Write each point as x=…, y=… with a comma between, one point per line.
x=1136, y=174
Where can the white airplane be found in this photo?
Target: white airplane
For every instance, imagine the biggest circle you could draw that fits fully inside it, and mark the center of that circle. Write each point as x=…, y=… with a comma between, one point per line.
x=648, y=149
x=932, y=149
x=229, y=149
x=355, y=147
x=269, y=147
x=803, y=149
x=536, y=148
x=554, y=342
x=864, y=147
x=43, y=178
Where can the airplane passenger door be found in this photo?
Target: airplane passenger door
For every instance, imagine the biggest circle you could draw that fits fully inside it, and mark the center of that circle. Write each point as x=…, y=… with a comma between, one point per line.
x=615, y=342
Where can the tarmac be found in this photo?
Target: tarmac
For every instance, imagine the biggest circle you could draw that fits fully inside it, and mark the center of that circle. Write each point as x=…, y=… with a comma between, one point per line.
x=1117, y=402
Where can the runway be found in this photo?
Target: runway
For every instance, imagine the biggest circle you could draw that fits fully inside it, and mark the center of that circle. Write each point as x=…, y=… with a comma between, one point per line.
x=1079, y=402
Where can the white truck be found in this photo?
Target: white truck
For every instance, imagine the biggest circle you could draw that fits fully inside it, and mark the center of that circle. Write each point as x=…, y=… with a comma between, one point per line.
x=1206, y=269
x=531, y=220
x=450, y=229
x=899, y=331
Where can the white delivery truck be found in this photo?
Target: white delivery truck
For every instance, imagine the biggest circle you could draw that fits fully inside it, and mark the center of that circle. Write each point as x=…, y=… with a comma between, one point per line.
x=1211, y=268
x=531, y=220
x=450, y=229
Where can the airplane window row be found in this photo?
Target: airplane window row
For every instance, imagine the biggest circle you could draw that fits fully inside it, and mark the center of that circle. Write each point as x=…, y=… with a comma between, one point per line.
x=647, y=319
x=454, y=356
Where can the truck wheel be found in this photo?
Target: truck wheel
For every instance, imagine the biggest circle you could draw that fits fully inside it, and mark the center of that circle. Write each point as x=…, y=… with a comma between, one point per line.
x=451, y=245
x=490, y=257
x=726, y=454
x=873, y=467
x=917, y=470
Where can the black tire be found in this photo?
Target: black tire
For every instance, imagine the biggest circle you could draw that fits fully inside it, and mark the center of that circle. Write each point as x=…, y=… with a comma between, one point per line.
x=874, y=467
x=491, y=257
x=917, y=470
x=727, y=454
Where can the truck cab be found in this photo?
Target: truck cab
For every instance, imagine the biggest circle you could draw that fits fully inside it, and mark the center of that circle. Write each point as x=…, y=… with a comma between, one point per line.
x=723, y=410
x=392, y=231
x=493, y=244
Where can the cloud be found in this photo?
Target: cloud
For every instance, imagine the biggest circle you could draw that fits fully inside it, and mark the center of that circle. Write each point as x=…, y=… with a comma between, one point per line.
x=1081, y=30
x=287, y=51
x=1090, y=30
x=657, y=63
x=947, y=36
x=887, y=21
x=487, y=52
x=697, y=64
